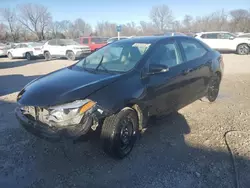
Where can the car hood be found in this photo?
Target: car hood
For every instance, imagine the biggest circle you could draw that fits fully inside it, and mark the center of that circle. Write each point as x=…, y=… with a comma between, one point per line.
x=63, y=86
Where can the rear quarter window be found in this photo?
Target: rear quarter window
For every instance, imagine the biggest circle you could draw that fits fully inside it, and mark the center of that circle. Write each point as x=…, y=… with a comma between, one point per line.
x=52, y=42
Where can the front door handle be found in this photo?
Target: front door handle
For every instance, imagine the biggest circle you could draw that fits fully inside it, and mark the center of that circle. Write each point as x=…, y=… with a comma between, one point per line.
x=186, y=71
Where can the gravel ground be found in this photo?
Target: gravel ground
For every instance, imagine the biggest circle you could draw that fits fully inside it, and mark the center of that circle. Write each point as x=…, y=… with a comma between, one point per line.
x=186, y=149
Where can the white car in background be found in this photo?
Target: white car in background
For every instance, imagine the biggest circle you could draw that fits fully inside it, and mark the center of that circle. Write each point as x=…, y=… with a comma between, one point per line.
x=27, y=50
x=225, y=41
x=64, y=48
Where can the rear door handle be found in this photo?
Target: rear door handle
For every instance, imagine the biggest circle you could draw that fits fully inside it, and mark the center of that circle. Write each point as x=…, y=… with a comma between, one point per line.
x=187, y=71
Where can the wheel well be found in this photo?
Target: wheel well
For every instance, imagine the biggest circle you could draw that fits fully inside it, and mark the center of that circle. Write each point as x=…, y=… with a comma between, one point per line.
x=218, y=73
x=139, y=114
x=45, y=51
x=241, y=44
x=68, y=51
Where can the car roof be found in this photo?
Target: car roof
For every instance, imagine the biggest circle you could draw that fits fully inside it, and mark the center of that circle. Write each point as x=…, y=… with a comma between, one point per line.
x=213, y=32
x=150, y=39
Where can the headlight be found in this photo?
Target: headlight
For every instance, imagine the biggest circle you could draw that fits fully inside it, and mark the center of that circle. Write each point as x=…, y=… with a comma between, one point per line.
x=67, y=114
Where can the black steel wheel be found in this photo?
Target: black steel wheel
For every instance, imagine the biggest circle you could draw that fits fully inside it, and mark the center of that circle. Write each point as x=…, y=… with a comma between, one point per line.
x=213, y=88
x=119, y=133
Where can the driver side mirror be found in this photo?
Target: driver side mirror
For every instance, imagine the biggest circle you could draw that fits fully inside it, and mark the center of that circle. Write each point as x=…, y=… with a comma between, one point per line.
x=231, y=38
x=157, y=68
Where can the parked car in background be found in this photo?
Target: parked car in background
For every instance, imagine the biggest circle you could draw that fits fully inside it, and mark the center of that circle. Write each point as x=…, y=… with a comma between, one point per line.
x=225, y=41
x=94, y=43
x=25, y=50
x=244, y=35
x=117, y=88
x=114, y=39
x=174, y=34
x=57, y=48
x=3, y=49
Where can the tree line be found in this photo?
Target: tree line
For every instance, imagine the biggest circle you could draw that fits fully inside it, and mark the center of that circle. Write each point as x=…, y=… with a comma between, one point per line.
x=34, y=22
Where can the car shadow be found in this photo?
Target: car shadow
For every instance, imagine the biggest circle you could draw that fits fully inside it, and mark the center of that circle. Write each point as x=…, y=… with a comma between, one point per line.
x=18, y=63
x=17, y=80
x=161, y=158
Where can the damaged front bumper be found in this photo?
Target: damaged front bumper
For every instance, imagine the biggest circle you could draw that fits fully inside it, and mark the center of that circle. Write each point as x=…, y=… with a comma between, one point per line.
x=57, y=133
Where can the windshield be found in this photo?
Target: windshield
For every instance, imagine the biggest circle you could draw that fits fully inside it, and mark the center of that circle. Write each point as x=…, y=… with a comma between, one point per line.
x=96, y=40
x=116, y=57
x=35, y=44
x=67, y=42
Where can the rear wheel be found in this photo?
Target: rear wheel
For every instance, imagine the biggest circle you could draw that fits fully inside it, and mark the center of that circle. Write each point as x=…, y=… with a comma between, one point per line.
x=119, y=133
x=71, y=56
x=213, y=89
x=28, y=56
x=47, y=56
x=10, y=55
x=243, y=49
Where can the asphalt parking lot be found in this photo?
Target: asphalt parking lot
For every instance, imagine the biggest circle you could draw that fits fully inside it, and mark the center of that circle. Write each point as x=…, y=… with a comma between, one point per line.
x=186, y=149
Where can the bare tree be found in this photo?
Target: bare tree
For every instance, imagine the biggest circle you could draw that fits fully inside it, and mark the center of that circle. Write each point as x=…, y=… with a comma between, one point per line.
x=35, y=18
x=162, y=17
x=240, y=19
x=187, y=22
x=147, y=28
x=106, y=29
x=9, y=16
x=3, y=32
x=129, y=29
x=176, y=26
x=82, y=28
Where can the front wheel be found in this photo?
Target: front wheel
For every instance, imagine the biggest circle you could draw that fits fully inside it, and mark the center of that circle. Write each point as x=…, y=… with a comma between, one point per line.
x=28, y=56
x=10, y=56
x=119, y=133
x=243, y=49
x=47, y=56
x=71, y=56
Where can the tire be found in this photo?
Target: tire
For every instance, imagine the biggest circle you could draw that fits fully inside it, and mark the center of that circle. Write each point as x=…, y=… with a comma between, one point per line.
x=119, y=133
x=47, y=56
x=28, y=56
x=243, y=49
x=213, y=89
x=70, y=55
x=10, y=56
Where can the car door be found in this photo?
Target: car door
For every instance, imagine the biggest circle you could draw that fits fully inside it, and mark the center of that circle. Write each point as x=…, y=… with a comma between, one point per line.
x=197, y=62
x=18, y=51
x=52, y=47
x=60, y=48
x=226, y=41
x=24, y=48
x=166, y=90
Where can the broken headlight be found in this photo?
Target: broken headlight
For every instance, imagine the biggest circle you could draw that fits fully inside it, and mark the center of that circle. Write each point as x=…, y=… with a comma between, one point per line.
x=67, y=114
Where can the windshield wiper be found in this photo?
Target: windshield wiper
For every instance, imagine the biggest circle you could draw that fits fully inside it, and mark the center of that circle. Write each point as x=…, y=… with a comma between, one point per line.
x=101, y=65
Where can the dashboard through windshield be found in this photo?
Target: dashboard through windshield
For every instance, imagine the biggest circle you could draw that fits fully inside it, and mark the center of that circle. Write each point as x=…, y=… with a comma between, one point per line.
x=117, y=57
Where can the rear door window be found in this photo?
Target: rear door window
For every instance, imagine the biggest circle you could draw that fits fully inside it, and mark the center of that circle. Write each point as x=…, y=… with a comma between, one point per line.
x=211, y=36
x=167, y=54
x=52, y=42
x=192, y=49
x=85, y=41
